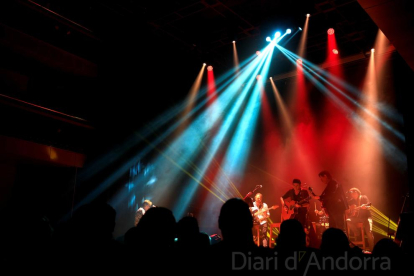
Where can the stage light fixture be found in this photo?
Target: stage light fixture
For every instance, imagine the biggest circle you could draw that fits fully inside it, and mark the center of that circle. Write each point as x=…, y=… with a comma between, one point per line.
x=268, y=39
x=331, y=31
x=335, y=51
x=277, y=34
x=209, y=68
x=288, y=31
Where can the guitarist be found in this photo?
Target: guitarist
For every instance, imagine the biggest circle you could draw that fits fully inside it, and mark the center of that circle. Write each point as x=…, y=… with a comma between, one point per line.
x=333, y=200
x=291, y=199
x=359, y=211
x=260, y=213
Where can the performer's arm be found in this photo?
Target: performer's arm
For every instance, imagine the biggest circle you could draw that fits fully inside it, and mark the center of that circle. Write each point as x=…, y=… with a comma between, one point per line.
x=138, y=216
x=312, y=194
x=282, y=201
x=265, y=211
x=366, y=201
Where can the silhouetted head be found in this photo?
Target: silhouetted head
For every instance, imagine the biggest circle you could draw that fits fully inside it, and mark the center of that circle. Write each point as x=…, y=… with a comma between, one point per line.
x=235, y=220
x=204, y=239
x=187, y=227
x=157, y=228
x=291, y=236
x=334, y=241
x=386, y=248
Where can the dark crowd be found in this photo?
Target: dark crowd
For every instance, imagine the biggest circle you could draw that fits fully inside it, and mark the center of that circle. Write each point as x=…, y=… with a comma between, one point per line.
x=160, y=244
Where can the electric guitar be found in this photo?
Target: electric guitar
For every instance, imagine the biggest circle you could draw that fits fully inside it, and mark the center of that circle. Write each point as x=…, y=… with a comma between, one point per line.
x=258, y=214
x=353, y=209
x=292, y=210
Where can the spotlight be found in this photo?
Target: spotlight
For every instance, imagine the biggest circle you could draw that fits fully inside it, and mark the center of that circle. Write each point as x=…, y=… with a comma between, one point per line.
x=299, y=61
x=210, y=68
x=300, y=29
x=308, y=15
x=271, y=78
x=234, y=41
x=258, y=77
x=258, y=53
x=331, y=31
x=372, y=50
x=335, y=51
x=288, y=31
x=268, y=39
x=204, y=64
x=277, y=34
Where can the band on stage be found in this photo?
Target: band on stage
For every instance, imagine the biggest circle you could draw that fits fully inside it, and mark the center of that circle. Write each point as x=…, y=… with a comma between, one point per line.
x=339, y=209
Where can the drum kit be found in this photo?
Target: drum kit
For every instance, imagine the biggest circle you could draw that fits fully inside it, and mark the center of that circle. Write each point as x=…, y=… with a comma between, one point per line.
x=321, y=226
x=324, y=221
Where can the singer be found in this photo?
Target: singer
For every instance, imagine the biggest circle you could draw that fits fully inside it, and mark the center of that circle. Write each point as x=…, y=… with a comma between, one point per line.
x=260, y=213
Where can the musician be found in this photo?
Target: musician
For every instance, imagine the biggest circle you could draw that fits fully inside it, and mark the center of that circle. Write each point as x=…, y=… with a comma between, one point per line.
x=141, y=211
x=260, y=213
x=294, y=196
x=333, y=200
x=359, y=211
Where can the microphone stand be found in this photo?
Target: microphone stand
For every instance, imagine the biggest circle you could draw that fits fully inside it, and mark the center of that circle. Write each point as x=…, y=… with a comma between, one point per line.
x=402, y=210
x=250, y=193
x=248, y=198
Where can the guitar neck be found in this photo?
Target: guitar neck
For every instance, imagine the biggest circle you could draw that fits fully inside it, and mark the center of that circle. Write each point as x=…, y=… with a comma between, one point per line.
x=304, y=200
x=262, y=211
x=364, y=205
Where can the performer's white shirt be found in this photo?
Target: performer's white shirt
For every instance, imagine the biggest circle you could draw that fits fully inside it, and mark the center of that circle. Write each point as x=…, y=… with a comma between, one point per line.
x=262, y=217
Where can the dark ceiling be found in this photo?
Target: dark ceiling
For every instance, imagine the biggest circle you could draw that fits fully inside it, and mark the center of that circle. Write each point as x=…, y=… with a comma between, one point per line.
x=202, y=30
x=122, y=62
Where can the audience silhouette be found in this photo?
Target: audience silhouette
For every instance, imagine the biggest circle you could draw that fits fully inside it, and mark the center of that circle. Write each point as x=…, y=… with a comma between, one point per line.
x=158, y=244
x=237, y=247
x=151, y=242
